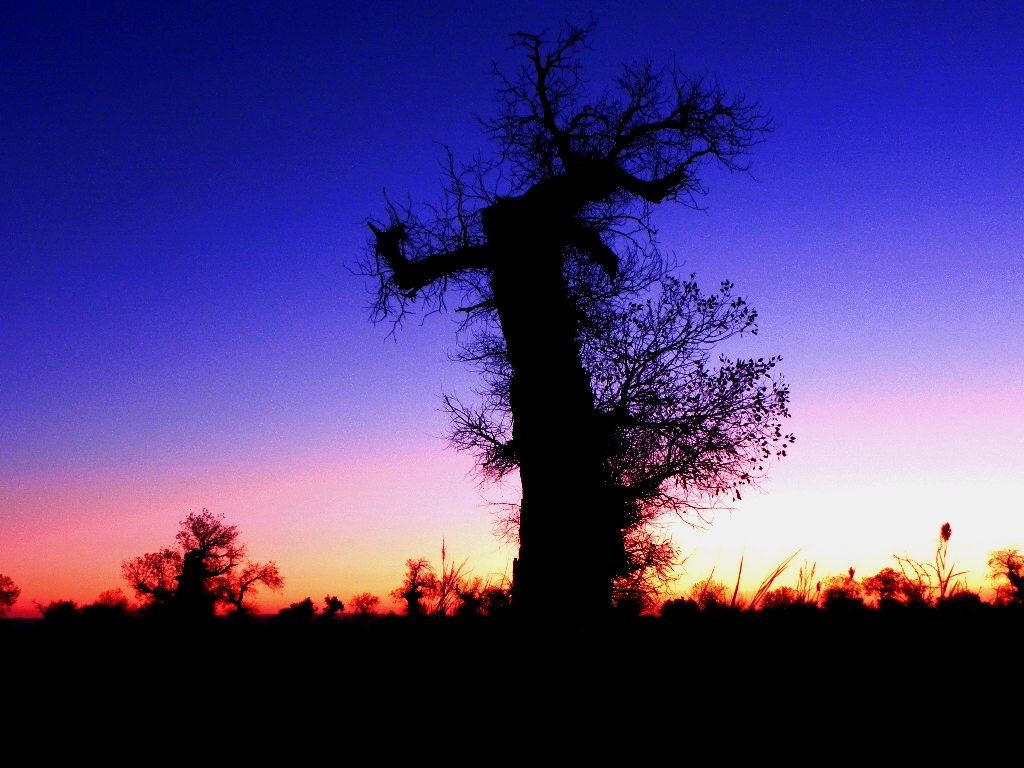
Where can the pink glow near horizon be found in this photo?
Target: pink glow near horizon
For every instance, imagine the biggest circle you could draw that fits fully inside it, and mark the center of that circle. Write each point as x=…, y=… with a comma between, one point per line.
x=869, y=477
x=334, y=524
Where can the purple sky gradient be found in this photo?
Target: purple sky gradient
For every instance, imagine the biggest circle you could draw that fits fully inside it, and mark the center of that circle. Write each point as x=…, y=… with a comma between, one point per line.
x=184, y=190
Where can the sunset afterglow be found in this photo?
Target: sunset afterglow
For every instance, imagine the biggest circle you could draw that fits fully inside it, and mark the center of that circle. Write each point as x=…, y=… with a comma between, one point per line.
x=185, y=198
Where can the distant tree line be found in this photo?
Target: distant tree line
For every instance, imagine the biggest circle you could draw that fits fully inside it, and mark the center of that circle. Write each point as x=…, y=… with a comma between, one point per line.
x=206, y=572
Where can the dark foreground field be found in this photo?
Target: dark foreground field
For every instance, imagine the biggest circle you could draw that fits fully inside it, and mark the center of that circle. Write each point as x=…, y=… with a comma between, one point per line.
x=489, y=691
x=485, y=659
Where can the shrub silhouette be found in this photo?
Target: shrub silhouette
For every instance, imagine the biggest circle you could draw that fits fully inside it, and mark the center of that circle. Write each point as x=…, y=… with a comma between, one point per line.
x=842, y=593
x=680, y=609
x=60, y=612
x=333, y=607
x=111, y=606
x=299, y=613
x=780, y=597
x=427, y=591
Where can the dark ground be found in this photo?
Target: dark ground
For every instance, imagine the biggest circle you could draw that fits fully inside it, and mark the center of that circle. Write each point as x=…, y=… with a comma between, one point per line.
x=826, y=652
x=488, y=691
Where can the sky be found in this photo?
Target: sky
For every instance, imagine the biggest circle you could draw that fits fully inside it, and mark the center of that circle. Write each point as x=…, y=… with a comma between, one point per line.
x=183, y=195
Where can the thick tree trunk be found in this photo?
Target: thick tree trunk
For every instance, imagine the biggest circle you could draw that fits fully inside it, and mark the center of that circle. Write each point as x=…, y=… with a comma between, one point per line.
x=192, y=599
x=570, y=529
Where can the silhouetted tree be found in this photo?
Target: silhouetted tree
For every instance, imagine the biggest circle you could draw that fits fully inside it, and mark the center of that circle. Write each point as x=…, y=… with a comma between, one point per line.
x=235, y=586
x=364, y=604
x=1006, y=568
x=679, y=431
x=9, y=594
x=206, y=566
x=709, y=594
x=888, y=587
x=546, y=247
x=419, y=581
x=154, y=575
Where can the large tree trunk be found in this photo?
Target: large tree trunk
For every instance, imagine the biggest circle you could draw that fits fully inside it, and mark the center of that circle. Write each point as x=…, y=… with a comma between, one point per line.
x=570, y=529
x=193, y=601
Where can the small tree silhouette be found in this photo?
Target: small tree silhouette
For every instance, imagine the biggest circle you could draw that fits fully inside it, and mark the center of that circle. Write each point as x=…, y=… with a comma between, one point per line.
x=9, y=594
x=709, y=594
x=842, y=593
x=364, y=604
x=889, y=587
x=234, y=587
x=1006, y=568
x=418, y=583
